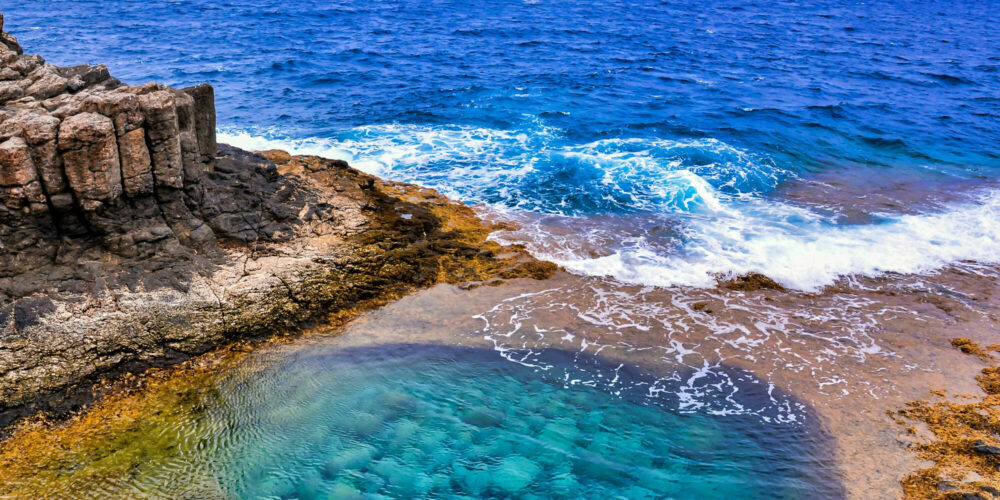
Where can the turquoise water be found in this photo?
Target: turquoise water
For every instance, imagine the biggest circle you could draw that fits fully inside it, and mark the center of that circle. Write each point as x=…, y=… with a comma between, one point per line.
x=441, y=422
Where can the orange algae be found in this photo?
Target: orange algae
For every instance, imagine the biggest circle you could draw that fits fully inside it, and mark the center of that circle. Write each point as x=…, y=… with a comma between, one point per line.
x=965, y=449
x=969, y=347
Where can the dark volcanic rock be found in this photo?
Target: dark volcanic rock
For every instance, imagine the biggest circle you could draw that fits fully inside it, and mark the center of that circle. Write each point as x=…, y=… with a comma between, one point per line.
x=125, y=233
x=983, y=448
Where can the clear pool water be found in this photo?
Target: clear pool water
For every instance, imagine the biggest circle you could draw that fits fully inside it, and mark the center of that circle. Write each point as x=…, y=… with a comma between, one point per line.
x=406, y=421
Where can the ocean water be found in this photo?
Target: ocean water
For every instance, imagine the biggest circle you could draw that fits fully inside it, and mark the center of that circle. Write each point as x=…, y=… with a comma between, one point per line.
x=712, y=127
x=849, y=150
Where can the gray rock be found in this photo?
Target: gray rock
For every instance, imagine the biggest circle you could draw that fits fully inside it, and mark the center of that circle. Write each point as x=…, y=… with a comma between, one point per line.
x=46, y=82
x=204, y=119
x=984, y=448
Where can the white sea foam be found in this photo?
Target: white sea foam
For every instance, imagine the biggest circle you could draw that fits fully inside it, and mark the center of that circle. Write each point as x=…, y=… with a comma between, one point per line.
x=794, y=247
x=702, y=189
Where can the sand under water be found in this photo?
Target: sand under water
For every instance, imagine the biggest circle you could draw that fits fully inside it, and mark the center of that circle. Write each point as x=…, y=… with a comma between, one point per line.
x=763, y=393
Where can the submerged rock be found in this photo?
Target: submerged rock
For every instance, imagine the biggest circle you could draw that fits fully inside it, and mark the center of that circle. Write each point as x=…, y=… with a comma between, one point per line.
x=515, y=473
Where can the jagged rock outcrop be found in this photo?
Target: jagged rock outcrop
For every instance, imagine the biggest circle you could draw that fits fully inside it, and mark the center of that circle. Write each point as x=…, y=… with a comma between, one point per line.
x=117, y=207
x=82, y=154
x=129, y=238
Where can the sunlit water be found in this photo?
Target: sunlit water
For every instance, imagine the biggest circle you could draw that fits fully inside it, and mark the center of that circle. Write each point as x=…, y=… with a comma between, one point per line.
x=408, y=421
x=847, y=150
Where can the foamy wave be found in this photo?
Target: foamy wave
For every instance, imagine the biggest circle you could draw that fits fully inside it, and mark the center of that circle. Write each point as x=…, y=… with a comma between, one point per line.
x=797, y=248
x=535, y=169
x=674, y=212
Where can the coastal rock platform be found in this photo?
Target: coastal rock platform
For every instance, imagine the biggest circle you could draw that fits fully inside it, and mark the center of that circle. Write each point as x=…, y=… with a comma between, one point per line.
x=129, y=238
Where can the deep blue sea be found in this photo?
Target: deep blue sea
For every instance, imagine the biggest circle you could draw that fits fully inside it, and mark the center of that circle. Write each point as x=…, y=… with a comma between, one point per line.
x=658, y=143
x=807, y=140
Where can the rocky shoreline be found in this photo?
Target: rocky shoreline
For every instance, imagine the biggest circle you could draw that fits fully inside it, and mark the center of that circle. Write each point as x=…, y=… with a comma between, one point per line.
x=130, y=239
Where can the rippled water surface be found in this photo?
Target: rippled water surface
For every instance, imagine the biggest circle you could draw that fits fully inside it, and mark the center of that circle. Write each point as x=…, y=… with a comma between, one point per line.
x=723, y=124
x=408, y=421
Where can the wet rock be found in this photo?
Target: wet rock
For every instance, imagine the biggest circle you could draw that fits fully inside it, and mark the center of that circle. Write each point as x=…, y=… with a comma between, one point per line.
x=345, y=491
x=349, y=459
x=515, y=473
x=983, y=448
x=752, y=281
x=480, y=416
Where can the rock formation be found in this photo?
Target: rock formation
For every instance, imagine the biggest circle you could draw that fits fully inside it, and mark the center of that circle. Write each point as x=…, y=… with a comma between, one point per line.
x=82, y=154
x=129, y=238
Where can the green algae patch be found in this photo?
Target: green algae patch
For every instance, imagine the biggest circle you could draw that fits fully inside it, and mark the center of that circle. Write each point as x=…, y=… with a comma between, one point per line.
x=965, y=449
x=117, y=437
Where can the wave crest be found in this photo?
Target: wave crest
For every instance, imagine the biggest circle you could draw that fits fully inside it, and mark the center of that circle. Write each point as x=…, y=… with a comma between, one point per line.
x=652, y=211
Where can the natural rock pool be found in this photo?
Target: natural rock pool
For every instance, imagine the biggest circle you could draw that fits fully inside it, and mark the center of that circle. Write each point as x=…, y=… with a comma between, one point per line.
x=432, y=421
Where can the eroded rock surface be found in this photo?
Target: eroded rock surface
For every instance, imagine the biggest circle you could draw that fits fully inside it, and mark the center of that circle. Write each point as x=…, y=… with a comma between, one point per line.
x=129, y=238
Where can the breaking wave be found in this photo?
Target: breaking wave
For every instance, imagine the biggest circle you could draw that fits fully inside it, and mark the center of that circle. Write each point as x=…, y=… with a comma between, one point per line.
x=653, y=211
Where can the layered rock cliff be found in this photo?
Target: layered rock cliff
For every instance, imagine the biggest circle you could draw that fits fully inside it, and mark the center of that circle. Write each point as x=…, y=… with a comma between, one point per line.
x=82, y=154
x=129, y=238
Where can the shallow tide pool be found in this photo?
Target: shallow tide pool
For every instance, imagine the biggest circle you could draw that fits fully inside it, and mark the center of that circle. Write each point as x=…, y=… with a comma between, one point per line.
x=407, y=421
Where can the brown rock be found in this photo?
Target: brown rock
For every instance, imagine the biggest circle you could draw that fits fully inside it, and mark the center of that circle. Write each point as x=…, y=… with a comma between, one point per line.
x=10, y=91
x=47, y=83
x=137, y=169
x=18, y=178
x=11, y=42
x=27, y=64
x=41, y=132
x=160, y=114
x=121, y=106
x=90, y=158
